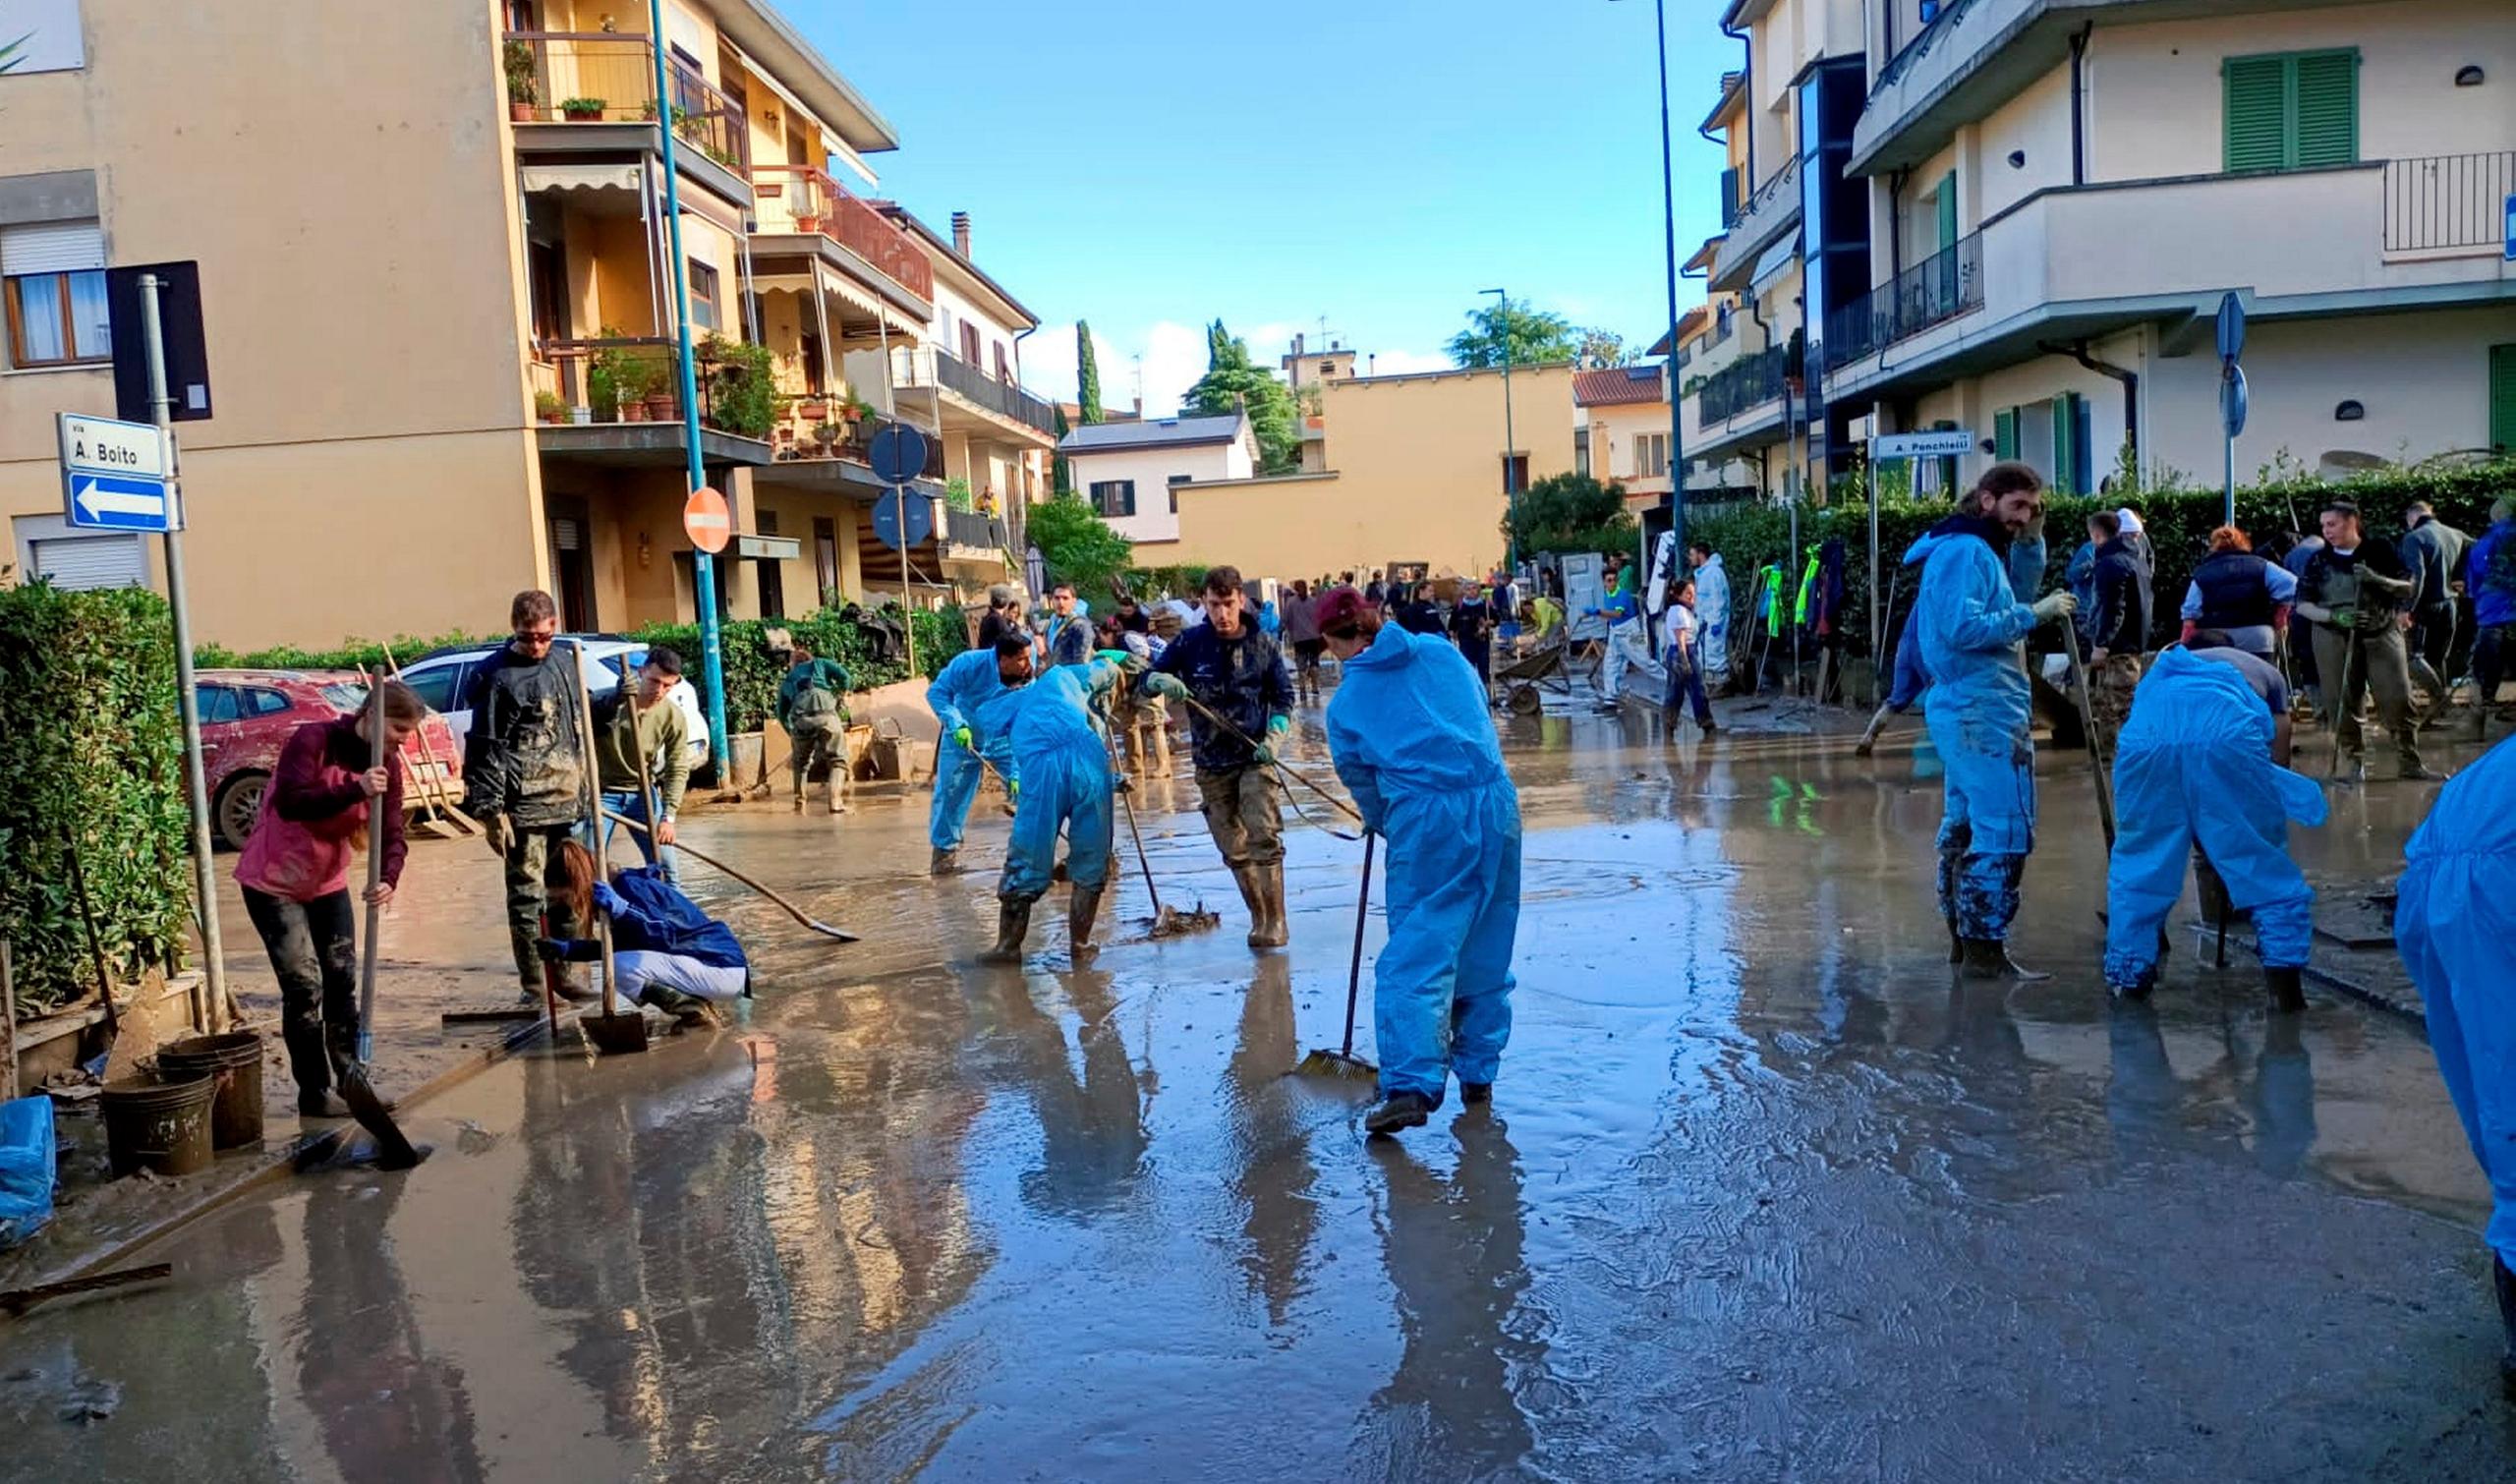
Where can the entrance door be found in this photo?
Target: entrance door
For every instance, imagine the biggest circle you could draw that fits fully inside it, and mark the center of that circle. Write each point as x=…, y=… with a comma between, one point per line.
x=571, y=567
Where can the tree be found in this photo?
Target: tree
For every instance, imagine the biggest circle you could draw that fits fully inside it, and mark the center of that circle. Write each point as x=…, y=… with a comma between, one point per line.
x=1061, y=472
x=1087, y=374
x=1077, y=543
x=1600, y=349
x=1232, y=382
x=1570, y=513
x=1534, y=336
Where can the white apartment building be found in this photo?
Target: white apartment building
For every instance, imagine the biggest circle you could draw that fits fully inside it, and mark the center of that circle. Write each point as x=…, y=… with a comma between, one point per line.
x=1131, y=472
x=2051, y=197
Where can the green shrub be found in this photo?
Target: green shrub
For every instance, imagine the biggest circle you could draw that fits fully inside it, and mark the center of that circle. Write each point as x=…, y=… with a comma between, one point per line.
x=91, y=749
x=349, y=655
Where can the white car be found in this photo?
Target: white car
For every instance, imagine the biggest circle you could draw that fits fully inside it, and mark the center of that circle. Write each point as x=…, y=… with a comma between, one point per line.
x=443, y=680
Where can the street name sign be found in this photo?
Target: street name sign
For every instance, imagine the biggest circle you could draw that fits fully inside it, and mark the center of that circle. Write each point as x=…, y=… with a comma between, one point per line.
x=1938, y=443
x=113, y=474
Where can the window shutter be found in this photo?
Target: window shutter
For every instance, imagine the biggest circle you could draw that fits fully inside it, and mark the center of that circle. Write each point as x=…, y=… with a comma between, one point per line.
x=2005, y=434
x=65, y=247
x=2066, y=427
x=1947, y=462
x=2256, y=107
x=2326, y=94
x=2502, y=397
x=1947, y=211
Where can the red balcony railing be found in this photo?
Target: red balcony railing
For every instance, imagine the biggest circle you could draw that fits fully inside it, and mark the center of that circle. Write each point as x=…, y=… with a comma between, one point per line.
x=804, y=199
x=604, y=78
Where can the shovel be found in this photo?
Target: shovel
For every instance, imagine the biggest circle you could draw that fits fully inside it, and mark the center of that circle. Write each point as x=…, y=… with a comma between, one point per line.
x=1343, y=1063
x=612, y=1032
x=392, y=1150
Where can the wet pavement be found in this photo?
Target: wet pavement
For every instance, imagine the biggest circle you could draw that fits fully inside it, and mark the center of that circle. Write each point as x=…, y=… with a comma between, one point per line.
x=1763, y=1194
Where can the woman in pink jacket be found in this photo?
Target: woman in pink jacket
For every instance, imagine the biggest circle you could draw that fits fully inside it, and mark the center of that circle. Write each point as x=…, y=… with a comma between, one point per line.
x=296, y=872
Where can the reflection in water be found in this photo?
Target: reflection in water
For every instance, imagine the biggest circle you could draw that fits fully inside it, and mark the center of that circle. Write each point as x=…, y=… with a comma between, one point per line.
x=1092, y=1128
x=2283, y=1097
x=387, y=1408
x=1454, y=1250
x=1272, y=1174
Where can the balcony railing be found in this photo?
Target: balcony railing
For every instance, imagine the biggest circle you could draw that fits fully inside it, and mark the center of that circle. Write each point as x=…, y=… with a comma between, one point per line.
x=927, y=366
x=1743, y=383
x=1920, y=45
x=973, y=527
x=604, y=78
x=2444, y=201
x=805, y=200
x=1934, y=290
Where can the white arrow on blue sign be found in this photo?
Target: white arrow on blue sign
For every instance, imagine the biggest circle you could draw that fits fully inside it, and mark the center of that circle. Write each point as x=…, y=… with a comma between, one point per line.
x=118, y=502
x=114, y=474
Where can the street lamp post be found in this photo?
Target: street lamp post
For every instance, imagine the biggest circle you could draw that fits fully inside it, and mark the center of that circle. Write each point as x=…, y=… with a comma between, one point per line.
x=1511, y=484
x=1669, y=248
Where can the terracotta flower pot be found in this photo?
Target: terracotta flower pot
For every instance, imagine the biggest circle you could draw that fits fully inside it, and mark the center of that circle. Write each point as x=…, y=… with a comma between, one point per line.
x=521, y=113
x=632, y=410
x=660, y=408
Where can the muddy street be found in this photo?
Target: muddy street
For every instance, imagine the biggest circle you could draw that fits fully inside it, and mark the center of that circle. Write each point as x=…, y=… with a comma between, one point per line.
x=1763, y=1193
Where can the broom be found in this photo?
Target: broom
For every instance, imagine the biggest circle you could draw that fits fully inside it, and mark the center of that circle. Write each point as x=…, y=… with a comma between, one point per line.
x=392, y=1150
x=1343, y=1063
x=1167, y=922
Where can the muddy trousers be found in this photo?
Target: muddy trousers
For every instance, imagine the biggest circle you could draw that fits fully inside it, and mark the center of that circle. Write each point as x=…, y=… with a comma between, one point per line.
x=2381, y=664
x=533, y=869
x=313, y=949
x=2172, y=800
x=1987, y=821
x=821, y=739
x=1241, y=811
x=1978, y=888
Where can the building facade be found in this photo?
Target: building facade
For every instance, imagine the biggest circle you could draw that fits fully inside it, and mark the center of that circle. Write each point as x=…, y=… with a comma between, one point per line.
x=440, y=310
x=1622, y=430
x=1132, y=472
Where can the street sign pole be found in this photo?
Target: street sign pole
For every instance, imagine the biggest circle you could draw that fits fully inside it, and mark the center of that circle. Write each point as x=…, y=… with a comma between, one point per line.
x=186, y=701
x=2232, y=395
x=908, y=614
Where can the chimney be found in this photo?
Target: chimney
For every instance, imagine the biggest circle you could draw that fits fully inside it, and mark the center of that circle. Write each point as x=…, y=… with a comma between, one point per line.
x=961, y=233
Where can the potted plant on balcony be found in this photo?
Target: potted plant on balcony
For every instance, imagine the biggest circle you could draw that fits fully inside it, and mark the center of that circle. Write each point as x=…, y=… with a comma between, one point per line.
x=581, y=110
x=810, y=221
x=828, y=434
x=524, y=84
x=812, y=408
x=657, y=380
x=855, y=409
x=548, y=406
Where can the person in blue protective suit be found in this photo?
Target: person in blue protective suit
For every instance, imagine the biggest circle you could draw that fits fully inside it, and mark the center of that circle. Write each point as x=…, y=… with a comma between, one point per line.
x=1063, y=755
x=1907, y=679
x=957, y=696
x=1969, y=623
x=2195, y=767
x=2453, y=916
x=1411, y=738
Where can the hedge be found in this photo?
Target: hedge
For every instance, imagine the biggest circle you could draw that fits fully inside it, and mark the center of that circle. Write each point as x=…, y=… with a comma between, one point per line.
x=91, y=750
x=2179, y=523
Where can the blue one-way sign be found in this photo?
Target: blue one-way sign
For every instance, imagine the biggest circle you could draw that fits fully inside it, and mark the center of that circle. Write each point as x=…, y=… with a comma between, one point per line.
x=114, y=474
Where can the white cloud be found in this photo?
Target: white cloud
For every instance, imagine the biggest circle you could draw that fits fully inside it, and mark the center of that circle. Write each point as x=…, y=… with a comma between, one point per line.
x=1170, y=356
x=1403, y=363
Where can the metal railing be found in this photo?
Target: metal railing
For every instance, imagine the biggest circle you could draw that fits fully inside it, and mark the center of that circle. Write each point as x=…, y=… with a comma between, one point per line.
x=1743, y=383
x=924, y=367
x=1934, y=290
x=973, y=527
x=803, y=199
x=604, y=78
x=1922, y=45
x=1782, y=187
x=2448, y=201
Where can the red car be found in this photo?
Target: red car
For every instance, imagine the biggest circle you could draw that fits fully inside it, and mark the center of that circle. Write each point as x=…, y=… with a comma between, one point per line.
x=248, y=715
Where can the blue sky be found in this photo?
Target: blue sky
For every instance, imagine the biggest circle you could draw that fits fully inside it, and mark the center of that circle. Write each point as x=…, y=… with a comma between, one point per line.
x=1150, y=167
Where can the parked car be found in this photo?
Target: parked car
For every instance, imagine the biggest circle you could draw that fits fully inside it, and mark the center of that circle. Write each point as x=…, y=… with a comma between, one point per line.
x=248, y=715
x=443, y=679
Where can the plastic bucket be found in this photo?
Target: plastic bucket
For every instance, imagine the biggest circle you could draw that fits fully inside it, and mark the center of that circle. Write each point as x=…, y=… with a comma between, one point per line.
x=235, y=1060
x=159, y=1125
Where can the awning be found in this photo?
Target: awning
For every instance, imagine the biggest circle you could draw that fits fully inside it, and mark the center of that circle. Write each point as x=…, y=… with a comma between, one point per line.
x=1770, y=266
x=581, y=178
x=831, y=144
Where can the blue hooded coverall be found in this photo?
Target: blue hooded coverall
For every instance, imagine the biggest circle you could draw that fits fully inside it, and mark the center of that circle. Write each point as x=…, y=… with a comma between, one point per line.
x=957, y=696
x=1065, y=776
x=1413, y=741
x=2026, y=576
x=1967, y=622
x=2195, y=764
x=2453, y=919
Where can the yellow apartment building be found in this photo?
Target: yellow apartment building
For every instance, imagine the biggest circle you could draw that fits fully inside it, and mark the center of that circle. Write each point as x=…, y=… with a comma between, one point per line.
x=440, y=312
x=1415, y=471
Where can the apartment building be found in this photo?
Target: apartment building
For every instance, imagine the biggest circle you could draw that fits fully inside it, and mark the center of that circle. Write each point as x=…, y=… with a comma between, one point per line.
x=2051, y=198
x=1621, y=431
x=440, y=313
x=1132, y=471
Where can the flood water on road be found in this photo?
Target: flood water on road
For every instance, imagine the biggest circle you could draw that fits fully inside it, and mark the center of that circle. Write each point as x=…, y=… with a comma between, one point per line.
x=1763, y=1195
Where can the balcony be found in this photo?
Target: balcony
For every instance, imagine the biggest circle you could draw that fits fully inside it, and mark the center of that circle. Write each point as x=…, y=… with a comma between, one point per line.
x=2448, y=203
x=1773, y=210
x=596, y=90
x=629, y=390
x=974, y=529
x=1934, y=290
x=1749, y=382
x=803, y=201
x=930, y=369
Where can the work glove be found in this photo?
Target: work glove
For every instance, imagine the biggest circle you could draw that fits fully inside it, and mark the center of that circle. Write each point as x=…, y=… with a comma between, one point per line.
x=568, y=950
x=608, y=901
x=2054, y=605
x=2345, y=618
x=961, y=736
x=1121, y=783
x=1013, y=789
x=1169, y=687
x=499, y=831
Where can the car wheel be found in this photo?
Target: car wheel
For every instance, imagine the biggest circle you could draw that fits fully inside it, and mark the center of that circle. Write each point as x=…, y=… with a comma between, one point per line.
x=238, y=805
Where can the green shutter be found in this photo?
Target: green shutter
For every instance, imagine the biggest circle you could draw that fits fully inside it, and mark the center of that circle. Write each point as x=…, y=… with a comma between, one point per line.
x=2258, y=108
x=1947, y=462
x=2502, y=398
x=2326, y=95
x=2005, y=434
x=1947, y=211
x=2066, y=432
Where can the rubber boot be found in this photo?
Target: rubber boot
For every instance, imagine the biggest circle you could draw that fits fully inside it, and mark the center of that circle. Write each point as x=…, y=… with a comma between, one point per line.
x=1400, y=1110
x=2505, y=1282
x=1269, y=930
x=2288, y=995
x=1246, y=878
x=1956, y=945
x=945, y=863
x=1082, y=908
x=1013, y=925
x=1988, y=958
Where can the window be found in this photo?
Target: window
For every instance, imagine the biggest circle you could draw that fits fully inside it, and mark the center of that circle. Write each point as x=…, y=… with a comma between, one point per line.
x=2502, y=398
x=809, y=352
x=1516, y=473
x=1581, y=452
x=1176, y=481
x=1114, y=496
x=1003, y=367
x=825, y=559
x=969, y=342
x=437, y=687
x=52, y=288
x=2005, y=434
x=217, y=704
x=2291, y=110
x=770, y=571
x=260, y=702
x=1944, y=207
x=703, y=295
x=1650, y=455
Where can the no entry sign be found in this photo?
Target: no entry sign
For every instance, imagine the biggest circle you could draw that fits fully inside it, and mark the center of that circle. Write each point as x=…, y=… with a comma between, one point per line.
x=704, y=517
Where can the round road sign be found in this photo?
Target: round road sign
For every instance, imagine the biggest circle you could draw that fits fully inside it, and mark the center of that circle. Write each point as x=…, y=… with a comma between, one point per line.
x=707, y=520
x=898, y=453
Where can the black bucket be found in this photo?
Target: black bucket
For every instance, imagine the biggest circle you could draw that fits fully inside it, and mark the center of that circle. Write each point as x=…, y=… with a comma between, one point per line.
x=159, y=1125
x=235, y=1059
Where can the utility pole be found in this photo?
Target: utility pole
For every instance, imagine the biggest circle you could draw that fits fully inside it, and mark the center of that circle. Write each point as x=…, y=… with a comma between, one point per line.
x=1510, y=482
x=1668, y=227
x=161, y=409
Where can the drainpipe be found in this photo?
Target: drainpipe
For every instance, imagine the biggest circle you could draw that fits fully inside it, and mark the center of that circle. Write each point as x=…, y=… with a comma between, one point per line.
x=1746, y=99
x=2078, y=107
x=2131, y=380
x=1897, y=180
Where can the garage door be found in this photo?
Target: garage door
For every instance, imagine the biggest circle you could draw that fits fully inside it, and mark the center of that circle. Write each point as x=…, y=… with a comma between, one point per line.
x=77, y=563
